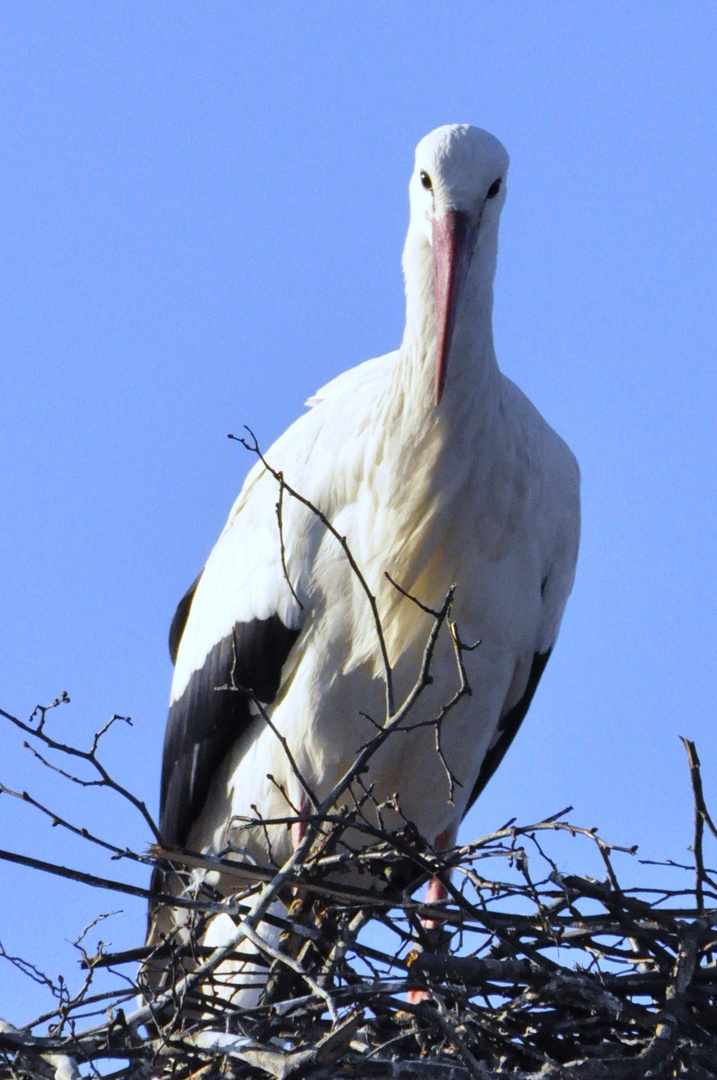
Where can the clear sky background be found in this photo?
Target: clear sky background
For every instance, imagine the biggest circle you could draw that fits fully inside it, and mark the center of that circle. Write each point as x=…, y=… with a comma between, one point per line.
x=202, y=214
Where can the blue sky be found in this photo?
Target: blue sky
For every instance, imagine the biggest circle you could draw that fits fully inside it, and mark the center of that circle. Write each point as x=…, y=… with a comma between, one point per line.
x=203, y=208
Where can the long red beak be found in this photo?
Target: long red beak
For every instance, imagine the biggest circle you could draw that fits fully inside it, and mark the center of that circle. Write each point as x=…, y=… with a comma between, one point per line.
x=454, y=239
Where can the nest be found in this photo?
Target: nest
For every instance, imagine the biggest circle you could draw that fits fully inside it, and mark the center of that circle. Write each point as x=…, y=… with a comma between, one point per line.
x=522, y=971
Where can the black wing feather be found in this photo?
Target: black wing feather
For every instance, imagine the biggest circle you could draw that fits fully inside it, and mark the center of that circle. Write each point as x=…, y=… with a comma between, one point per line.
x=180, y=618
x=508, y=727
x=205, y=721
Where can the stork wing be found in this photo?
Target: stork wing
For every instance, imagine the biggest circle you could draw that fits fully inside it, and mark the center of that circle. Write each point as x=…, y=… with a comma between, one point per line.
x=180, y=618
x=213, y=712
x=237, y=624
x=508, y=727
x=559, y=526
x=232, y=633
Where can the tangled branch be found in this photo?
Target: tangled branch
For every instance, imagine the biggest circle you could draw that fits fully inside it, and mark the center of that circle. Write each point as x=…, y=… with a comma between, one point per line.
x=526, y=970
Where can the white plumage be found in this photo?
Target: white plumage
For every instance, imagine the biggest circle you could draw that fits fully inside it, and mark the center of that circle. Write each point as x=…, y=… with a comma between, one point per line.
x=438, y=471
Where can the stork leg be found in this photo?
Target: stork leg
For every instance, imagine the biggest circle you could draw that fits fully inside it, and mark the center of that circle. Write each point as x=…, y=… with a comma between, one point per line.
x=298, y=829
x=435, y=892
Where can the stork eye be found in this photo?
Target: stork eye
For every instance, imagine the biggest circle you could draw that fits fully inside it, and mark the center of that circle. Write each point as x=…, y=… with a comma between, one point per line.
x=426, y=180
x=494, y=188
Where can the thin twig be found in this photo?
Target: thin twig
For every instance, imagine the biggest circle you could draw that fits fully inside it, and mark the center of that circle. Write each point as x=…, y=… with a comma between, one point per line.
x=253, y=446
x=701, y=817
x=85, y=755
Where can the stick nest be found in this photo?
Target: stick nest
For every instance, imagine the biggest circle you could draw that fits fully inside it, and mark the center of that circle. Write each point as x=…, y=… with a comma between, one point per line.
x=525, y=971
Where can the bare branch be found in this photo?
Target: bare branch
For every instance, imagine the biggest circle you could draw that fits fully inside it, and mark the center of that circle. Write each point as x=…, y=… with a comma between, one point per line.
x=253, y=446
x=89, y=756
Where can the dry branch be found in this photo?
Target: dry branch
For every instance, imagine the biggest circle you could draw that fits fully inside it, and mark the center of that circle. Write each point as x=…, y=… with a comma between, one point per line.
x=529, y=972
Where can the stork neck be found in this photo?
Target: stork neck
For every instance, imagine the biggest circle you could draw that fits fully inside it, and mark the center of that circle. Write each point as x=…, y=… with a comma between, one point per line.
x=472, y=377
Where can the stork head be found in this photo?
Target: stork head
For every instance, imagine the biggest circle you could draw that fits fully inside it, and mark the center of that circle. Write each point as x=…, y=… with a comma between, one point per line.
x=457, y=191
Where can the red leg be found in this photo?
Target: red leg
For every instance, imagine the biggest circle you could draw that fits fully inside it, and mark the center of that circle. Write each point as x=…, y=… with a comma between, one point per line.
x=436, y=891
x=298, y=829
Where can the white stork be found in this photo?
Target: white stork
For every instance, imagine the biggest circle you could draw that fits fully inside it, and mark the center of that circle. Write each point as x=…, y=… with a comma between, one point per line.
x=438, y=471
